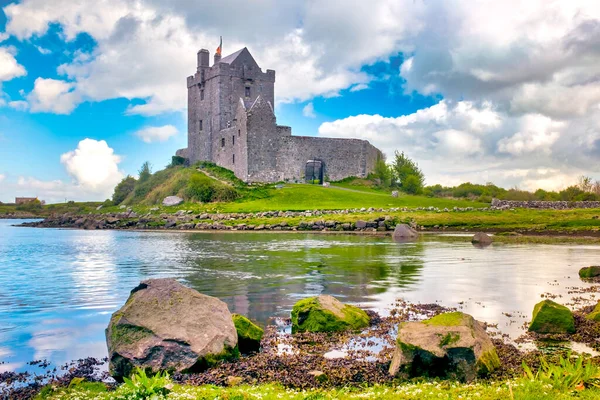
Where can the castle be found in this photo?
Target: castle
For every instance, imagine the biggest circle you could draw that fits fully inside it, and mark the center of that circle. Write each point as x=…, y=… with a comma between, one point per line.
x=231, y=122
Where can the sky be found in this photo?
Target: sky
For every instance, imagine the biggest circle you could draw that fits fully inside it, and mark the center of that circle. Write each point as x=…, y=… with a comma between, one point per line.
x=474, y=90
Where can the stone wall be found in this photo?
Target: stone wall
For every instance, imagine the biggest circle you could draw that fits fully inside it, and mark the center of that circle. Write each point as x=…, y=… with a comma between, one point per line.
x=342, y=157
x=546, y=205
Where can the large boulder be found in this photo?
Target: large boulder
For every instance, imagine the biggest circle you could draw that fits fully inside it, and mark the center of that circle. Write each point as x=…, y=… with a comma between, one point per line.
x=172, y=201
x=551, y=317
x=589, y=272
x=167, y=326
x=594, y=315
x=249, y=334
x=451, y=345
x=325, y=313
x=404, y=232
x=481, y=238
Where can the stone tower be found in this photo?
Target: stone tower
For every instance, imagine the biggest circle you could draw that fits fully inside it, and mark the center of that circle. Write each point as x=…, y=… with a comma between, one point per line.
x=214, y=94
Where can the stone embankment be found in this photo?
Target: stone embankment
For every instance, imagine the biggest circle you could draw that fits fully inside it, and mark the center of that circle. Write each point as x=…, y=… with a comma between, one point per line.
x=544, y=205
x=317, y=220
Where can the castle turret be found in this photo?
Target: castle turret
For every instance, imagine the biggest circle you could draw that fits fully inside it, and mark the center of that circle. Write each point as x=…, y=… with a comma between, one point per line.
x=217, y=58
x=203, y=58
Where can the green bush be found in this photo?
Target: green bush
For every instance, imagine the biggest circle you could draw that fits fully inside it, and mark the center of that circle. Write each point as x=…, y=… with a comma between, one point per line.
x=199, y=188
x=412, y=184
x=123, y=189
x=176, y=161
x=30, y=206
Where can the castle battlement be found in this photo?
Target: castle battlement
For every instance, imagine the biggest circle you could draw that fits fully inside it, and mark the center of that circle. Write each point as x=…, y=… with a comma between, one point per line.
x=231, y=122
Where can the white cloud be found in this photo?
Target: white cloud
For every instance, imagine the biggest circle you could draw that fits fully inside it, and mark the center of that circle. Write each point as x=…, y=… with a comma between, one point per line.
x=9, y=67
x=19, y=105
x=2, y=177
x=53, y=96
x=3, y=36
x=152, y=134
x=309, y=111
x=358, y=87
x=43, y=50
x=538, y=133
x=464, y=141
x=94, y=166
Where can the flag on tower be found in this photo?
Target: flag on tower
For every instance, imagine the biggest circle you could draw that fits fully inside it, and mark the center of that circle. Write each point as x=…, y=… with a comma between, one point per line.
x=220, y=46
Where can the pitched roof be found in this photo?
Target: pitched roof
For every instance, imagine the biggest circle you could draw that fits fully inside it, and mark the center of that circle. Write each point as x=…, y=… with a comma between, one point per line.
x=231, y=58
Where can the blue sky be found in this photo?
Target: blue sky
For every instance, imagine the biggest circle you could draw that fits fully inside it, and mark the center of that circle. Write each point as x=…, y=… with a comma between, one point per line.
x=471, y=92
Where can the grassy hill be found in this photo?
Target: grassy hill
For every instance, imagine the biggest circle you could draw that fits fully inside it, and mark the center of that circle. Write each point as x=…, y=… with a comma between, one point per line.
x=207, y=187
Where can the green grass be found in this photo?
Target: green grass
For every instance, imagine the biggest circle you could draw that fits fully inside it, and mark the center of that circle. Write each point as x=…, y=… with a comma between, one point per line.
x=521, y=389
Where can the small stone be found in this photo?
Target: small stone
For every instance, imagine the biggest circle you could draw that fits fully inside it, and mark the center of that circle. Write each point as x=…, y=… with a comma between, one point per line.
x=395, y=193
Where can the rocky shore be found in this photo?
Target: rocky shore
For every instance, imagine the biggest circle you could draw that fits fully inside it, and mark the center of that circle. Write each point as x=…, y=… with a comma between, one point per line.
x=314, y=220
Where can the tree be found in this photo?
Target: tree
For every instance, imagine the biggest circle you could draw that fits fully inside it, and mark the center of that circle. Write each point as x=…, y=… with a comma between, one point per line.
x=403, y=168
x=145, y=172
x=123, y=189
x=383, y=172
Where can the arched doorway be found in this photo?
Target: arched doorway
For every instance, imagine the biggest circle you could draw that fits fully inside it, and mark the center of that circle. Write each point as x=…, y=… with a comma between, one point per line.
x=313, y=172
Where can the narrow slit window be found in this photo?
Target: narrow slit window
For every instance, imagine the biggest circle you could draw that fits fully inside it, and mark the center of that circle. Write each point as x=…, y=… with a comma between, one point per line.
x=222, y=142
x=234, y=159
x=239, y=132
x=233, y=140
x=202, y=94
x=247, y=91
x=199, y=124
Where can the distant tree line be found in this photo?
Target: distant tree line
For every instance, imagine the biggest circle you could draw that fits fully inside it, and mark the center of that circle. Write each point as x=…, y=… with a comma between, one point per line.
x=404, y=174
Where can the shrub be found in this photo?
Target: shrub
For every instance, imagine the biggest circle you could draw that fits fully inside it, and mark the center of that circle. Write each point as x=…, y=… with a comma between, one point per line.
x=199, y=188
x=123, y=189
x=177, y=160
x=145, y=172
x=30, y=206
x=412, y=184
x=567, y=374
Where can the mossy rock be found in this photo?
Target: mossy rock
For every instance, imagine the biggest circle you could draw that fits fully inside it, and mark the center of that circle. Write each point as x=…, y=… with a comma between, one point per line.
x=327, y=314
x=594, y=315
x=589, y=272
x=551, y=317
x=249, y=334
x=450, y=345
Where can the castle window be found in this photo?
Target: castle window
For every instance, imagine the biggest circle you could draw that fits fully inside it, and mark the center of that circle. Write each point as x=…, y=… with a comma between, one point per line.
x=247, y=91
x=202, y=94
x=233, y=140
x=239, y=132
x=234, y=159
x=222, y=142
x=199, y=124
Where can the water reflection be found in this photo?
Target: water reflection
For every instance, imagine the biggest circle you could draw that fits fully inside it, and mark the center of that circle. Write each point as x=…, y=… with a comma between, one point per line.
x=59, y=287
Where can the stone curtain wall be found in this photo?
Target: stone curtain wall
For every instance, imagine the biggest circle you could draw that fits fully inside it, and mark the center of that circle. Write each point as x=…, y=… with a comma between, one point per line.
x=546, y=205
x=342, y=157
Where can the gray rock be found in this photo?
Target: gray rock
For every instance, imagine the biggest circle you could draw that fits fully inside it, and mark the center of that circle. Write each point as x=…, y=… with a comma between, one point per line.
x=450, y=345
x=403, y=232
x=325, y=184
x=481, y=238
x=395, y=193
x=172, y=201
x=99, y=207
x=122, y=207
x=167, y=326
x=360, y=224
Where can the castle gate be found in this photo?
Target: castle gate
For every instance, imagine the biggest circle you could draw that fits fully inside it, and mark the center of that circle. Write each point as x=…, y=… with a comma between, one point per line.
x=314, y=171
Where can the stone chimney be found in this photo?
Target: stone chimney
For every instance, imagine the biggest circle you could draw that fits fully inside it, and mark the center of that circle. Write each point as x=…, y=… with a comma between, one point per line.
x=217, y=58
x=203, y=58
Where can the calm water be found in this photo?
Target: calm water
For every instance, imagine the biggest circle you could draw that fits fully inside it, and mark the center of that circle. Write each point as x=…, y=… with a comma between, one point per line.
x=58, y=288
